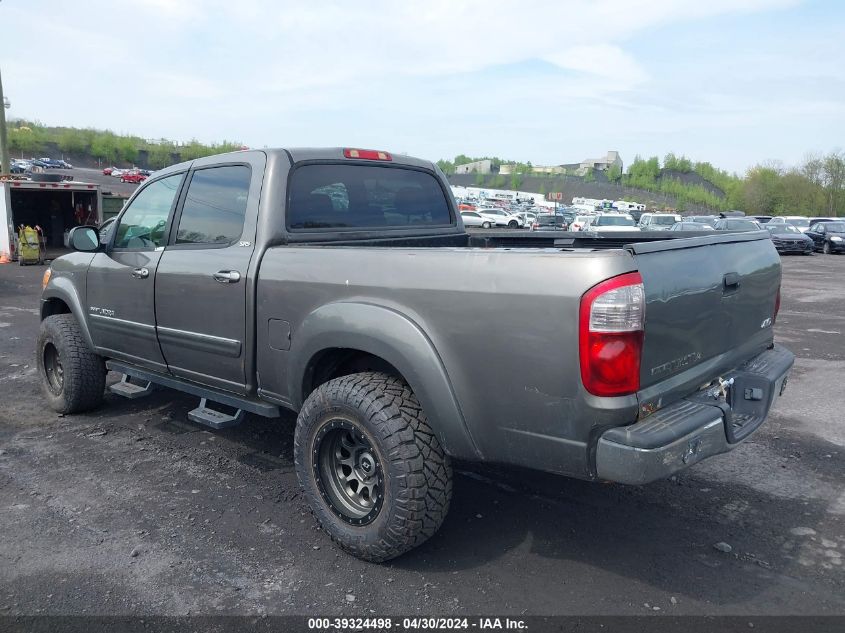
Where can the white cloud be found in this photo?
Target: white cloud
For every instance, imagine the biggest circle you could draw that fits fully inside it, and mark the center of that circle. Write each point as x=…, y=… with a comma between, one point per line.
x=257, y=69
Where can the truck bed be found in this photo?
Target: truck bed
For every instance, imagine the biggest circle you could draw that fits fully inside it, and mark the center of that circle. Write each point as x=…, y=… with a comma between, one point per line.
x=501, y=311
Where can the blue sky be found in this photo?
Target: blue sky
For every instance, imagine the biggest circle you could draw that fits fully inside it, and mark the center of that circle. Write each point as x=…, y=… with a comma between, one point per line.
x=735, y=82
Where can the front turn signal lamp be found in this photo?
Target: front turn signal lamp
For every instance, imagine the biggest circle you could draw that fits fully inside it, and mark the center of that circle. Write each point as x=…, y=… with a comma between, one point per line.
x=46, y=278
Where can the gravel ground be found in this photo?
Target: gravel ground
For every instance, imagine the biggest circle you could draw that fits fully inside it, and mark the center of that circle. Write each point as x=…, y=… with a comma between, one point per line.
x=134, y=510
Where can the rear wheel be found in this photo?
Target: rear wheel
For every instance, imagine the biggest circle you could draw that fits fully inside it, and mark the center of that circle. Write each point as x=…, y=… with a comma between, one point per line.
x=513, y=224
x=370, y=465
x=485, y=225
x=73, y=376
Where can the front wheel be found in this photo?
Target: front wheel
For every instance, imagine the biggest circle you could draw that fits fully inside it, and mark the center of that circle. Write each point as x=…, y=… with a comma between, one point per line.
x=485, y=225
x=513, y=224
x=826, y=248
x=370, y=465
x=73, y=376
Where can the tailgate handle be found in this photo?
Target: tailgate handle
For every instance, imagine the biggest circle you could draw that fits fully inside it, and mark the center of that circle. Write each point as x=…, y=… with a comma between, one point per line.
x=731, y=281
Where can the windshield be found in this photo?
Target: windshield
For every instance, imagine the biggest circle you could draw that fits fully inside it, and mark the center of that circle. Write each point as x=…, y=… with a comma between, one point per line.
x=783, y=228
x=835, y=227
x=666, y=220
x=742, y=225
x=802, y=222
x=614, y=220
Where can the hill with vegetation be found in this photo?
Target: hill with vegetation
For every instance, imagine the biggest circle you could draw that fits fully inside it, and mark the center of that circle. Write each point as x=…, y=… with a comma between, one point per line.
x=93, y=148
x=816, y=187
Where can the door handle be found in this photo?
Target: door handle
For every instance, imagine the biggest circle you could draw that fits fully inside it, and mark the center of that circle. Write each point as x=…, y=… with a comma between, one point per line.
x=140, y=273
x=227, y=276
x=731, y=281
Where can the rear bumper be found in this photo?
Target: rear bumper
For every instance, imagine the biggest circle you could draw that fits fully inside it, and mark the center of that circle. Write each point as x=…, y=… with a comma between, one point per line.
x=699, y=426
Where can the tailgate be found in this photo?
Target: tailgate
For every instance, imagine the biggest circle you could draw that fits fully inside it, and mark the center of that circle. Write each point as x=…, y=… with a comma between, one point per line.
x=710, y=305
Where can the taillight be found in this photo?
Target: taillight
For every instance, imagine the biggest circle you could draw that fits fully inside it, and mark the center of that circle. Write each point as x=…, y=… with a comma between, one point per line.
x=777, y=306
x=611, y=335
x=367, y=154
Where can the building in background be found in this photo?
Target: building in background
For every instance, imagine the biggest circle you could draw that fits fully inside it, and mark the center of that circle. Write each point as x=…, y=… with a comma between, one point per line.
x=601, y=164
x=478, y=167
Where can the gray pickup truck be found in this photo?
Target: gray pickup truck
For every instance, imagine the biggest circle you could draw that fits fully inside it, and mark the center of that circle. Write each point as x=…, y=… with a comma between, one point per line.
x=340, y=284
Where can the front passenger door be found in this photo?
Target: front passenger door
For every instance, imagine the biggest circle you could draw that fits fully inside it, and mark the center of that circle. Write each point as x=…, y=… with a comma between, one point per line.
x=121, y=280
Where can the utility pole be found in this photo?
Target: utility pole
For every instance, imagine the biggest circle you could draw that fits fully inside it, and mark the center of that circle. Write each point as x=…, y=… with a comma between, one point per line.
x=4, y=145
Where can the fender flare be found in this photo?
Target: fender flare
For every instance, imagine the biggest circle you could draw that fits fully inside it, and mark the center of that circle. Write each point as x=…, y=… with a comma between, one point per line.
x=392, y=336
x=62, y=288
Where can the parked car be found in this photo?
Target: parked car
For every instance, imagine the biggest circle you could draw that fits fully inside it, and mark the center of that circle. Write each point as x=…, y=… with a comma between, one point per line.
x=611, y=222
x=503, y=218
x=815, y=220
x=107, y=171
x=549, y=222
x=621, y=368
x=473, y=218
x=16, y=167
x=117, y=173
x=703, y=219
x=51, y=163
x=657, y=221
x=788, y=239
x=132, y=176
x=828, y=237
x=64, y=164
x=737, y=224
x=800, y=222
x=761, y=219
x=688, y=225
x=37, y=162
x=579, y=222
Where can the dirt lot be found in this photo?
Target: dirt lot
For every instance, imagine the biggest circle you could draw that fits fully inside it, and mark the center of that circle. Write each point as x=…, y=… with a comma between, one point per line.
x=134, y=510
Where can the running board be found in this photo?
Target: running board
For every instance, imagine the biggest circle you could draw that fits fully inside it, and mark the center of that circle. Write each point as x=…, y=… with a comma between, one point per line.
x=131, y=390
x=245, y=403
x=204, y=414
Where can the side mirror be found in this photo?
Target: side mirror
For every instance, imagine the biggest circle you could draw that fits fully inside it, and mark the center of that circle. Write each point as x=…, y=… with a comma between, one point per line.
x=84, y=238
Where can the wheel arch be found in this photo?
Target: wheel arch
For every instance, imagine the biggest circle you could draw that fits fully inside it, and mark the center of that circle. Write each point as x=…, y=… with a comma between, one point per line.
x=60, y=297
x=346, y=337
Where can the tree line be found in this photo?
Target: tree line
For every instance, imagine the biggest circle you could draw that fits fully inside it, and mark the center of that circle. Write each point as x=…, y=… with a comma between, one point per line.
x=814, y=187
x=30, y=138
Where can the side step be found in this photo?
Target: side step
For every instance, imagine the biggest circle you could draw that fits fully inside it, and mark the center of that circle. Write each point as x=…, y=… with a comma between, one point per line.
x=225, y=398
x=204, y=414
x=131, y=390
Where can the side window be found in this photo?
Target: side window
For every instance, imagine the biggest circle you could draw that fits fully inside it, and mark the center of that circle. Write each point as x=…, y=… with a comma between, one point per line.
x=143, y=223
x=215, y=206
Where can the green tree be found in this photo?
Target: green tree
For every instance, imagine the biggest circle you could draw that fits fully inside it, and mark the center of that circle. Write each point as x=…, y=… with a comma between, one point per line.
x=614, y=174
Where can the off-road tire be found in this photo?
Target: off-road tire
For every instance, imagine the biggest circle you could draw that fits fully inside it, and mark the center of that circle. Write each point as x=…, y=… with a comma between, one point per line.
x=416, y=473
x=83, y=371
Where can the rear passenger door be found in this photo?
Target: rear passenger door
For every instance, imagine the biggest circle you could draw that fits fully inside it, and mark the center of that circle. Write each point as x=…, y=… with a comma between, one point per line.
x=203, y=278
